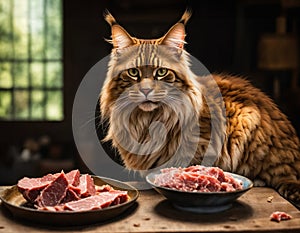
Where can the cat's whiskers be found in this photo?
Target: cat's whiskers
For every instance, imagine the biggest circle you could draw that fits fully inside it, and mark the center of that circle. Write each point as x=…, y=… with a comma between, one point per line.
x=157, y=96
x=173, y=98
x=120, y=106
x=92, y=119
x=136, y=97
x=122, y=97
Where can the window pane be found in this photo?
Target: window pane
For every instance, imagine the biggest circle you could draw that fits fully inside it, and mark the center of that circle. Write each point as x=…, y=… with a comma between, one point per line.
x=20, y=37
x=37, y=105
x=5, y=29
x=53, y=50
x=5, y=75
x=37, y=29
x=21, y=74
x=5, y=105
x=54, y=29
x=21, y=104
x=37, y=74
x=54, y=109
x=54, y=74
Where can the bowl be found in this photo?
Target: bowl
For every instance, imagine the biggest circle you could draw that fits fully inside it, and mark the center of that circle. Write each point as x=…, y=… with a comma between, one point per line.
x=201, y=202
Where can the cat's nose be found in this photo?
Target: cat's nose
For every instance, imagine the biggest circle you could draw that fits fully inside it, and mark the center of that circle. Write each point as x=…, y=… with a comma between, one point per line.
x=146, y=91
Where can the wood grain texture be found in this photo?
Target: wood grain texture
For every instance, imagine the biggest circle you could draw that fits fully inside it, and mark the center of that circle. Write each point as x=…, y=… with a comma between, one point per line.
x=153, y=213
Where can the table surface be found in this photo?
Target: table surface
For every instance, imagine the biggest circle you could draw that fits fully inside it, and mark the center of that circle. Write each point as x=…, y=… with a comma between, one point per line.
x=153, y=213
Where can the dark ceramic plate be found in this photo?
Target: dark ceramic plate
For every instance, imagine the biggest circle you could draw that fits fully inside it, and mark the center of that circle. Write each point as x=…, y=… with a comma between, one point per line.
x=201, y=202
x=13, y=200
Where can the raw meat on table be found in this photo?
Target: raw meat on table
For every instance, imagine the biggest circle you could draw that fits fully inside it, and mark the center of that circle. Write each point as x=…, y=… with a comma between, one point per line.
x=69, y=192
x=280, y=215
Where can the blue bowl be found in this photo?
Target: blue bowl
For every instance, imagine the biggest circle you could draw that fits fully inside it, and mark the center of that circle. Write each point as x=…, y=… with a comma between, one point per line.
x=201, y=202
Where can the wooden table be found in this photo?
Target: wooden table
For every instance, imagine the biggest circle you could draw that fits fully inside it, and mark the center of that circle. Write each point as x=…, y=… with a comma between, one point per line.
x=153, y=213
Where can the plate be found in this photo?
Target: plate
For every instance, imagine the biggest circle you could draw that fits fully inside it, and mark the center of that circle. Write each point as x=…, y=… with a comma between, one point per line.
x=201, y=202
x=13, y=200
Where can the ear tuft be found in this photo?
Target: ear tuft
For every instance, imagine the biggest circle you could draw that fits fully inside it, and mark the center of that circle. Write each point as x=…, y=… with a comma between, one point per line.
x=186, y=16
x=176, y=35
x=109, y=18
x=120, y=37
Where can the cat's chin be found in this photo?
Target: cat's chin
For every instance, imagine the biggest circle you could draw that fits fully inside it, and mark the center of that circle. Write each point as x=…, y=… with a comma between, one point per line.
x=148, y=106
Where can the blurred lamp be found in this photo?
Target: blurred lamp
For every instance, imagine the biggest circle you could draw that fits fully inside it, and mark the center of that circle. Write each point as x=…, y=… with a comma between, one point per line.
x=279, y=52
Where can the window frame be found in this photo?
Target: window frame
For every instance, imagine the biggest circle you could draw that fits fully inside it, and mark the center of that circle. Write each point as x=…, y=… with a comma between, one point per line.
x=29, y=61
x=15, y=131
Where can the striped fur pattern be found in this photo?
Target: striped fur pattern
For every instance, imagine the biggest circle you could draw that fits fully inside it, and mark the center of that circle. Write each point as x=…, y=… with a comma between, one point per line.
x=150, y=81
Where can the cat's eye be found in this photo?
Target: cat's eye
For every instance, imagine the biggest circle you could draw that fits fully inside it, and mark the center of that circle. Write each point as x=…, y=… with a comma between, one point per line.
x=133, y=73
x=161, y=72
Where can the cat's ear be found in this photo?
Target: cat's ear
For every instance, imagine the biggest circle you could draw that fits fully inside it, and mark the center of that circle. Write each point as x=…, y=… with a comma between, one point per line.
x=120, y=38
x=175, y=36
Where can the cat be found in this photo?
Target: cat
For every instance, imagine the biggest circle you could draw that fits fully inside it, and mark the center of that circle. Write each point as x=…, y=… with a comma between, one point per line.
x=157, y=109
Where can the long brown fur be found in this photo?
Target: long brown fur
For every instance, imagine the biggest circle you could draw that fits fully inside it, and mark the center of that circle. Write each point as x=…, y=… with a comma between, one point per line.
x=255, y=138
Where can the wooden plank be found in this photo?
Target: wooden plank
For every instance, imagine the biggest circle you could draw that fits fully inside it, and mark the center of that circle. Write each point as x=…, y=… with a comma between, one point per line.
x=153, y=213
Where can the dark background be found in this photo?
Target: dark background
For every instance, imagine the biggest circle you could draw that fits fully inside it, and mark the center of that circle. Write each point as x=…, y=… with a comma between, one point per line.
x=223, y=35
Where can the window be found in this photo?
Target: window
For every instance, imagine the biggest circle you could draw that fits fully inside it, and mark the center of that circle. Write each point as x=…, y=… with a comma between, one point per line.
x=31, y=65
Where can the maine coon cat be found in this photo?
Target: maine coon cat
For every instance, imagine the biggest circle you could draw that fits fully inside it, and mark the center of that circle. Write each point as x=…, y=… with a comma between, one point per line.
x=157, y=109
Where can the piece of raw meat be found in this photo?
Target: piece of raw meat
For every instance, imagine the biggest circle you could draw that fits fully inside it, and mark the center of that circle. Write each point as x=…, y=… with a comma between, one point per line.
x=54, y=193
x=31, y=187
x=73, y=177
x=280, y=215
x=71, y=195
x=95, y=202
x=86, y=186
